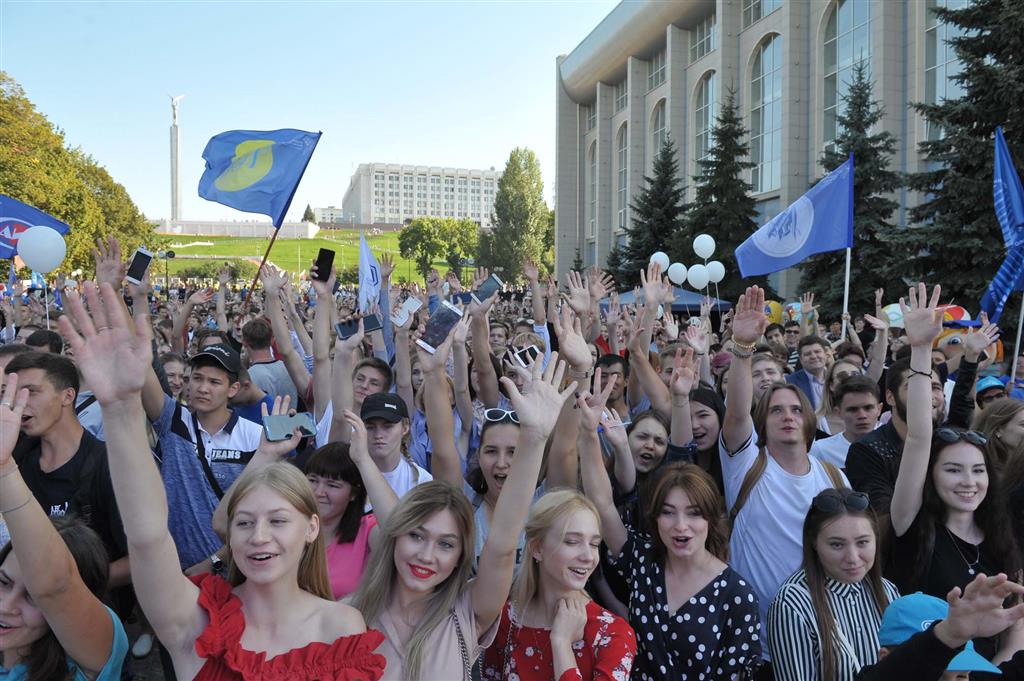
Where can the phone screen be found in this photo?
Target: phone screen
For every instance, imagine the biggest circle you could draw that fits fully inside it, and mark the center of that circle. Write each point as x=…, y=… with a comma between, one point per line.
x=139, y=265
x=488, y=288
x=465, y=298
x=279, y=427
x=440, y=324
x=324, y=263
x=409, y=307
x=346, y=329
x=527, y=355
x=371, y=322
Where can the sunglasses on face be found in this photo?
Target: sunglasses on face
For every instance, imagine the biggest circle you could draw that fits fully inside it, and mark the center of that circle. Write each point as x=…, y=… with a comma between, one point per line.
x=833, y=500
x=495, y=415
x=951, y=435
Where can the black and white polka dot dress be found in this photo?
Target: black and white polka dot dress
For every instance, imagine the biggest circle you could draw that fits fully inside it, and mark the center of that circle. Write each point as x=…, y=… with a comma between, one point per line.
x=714, y=635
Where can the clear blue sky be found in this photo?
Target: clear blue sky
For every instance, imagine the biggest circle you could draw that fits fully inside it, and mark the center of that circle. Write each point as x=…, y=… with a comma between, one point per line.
x=439, y=83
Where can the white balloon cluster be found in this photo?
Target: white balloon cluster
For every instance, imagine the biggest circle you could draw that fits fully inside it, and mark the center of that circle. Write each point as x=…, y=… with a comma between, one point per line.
x=699, y=275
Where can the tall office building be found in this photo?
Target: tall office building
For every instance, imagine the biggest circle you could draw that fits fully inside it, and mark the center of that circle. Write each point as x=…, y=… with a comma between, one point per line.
x=389, y=194
x=652, y=69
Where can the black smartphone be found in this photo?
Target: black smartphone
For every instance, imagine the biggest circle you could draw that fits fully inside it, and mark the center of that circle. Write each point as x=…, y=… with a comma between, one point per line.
x=324, y=263
x=279, y=427
x=527, y=355
x=139, y=265
x=371, y=322
x=346, y=329
x=465, y=298
x=488, y=288
x=440, y=324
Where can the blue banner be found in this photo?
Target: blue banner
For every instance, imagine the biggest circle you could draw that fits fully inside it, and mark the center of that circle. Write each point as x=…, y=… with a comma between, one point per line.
x=256, y=171
x=819, y=221
x=16, y=217
x=1008, y=200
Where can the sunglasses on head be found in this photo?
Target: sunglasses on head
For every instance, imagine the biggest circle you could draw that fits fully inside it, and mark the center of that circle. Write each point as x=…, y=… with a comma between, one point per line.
x=495, y=415
x=832, y=501
x=951, y=435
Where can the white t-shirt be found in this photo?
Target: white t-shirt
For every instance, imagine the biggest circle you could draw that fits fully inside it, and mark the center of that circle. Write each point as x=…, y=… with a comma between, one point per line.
x=832, y=449
x=766, y=543
x=405, y=476
x=323, y=426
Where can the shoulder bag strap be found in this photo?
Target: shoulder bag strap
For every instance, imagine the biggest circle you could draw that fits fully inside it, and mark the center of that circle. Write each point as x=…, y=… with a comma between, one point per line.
x=201, y=453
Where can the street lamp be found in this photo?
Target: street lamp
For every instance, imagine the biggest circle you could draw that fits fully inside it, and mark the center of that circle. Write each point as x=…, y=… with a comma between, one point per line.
x=165, y=256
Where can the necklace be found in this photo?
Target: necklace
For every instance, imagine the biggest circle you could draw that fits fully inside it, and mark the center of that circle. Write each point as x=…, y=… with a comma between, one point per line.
x=970, y=565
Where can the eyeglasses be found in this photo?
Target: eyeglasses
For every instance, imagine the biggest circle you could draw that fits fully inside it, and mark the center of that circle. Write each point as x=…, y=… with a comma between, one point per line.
x=495, y=415
x=951, y=435
x=792, y=332
x=831, y=501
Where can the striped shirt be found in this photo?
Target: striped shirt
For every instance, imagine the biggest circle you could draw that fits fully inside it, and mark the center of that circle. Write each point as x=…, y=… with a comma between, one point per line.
x=794, y=639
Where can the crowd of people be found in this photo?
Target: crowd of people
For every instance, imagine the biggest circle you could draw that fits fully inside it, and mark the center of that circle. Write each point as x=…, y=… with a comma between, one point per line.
x=559, y=487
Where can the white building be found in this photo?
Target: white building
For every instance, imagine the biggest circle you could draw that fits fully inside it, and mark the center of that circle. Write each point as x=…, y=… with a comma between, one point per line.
x=331, y=215
x=653, y=68
x=237, y=228
x=389, y=194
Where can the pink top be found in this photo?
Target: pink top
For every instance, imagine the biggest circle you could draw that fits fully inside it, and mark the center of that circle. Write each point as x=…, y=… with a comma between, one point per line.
x=346, y=562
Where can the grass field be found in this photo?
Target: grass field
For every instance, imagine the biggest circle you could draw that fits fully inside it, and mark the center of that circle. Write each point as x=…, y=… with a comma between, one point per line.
x=293, y=255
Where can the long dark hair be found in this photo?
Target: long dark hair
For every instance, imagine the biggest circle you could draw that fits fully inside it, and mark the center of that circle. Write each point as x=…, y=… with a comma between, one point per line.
x=332, y=461
x=816, y=577
x=46, y=660
x=702, y=492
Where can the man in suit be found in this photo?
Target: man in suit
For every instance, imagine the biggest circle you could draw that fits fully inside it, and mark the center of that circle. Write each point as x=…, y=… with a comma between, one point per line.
x=814, y=364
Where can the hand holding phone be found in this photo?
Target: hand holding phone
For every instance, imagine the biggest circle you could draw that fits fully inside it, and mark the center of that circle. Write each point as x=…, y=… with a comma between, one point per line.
x=324, y=263
x=278, y=427
x=440, y=324
x=401, y=316
x=138, y=266
x=488, y=288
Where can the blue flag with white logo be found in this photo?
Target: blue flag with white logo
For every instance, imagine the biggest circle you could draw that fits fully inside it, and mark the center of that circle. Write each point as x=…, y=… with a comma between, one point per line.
x=1008, y=198
x=819, y=221
x=369, y=275
x=256, y=171
x=16, y=217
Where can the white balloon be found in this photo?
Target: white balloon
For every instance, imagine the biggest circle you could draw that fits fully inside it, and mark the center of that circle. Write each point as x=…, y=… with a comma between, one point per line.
x=704, y=246
x=662, y=259
x=677, y=273
x=716, y=271
x=697, y=276
x=42, y=248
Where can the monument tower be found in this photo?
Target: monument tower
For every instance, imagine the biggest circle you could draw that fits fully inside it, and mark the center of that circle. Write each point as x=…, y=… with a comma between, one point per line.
x=175, y=158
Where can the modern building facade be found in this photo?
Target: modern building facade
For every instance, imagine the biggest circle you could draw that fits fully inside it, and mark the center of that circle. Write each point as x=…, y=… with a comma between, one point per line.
x=332, y=215
x=652, y=69
x=236, y=228
x=383, y=194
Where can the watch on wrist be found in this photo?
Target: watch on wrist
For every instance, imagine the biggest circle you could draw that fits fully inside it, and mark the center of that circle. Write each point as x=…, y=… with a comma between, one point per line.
x=217, y=564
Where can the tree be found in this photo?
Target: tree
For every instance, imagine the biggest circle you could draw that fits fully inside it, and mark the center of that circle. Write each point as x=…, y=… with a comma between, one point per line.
x=520, y=217
x=722, y=205
x=461, y=238
x=577, y=262
x=37, y=168
x=956, y=240
x=308, y=215
x=657, y=214
x=872, y=265
x=426, y=239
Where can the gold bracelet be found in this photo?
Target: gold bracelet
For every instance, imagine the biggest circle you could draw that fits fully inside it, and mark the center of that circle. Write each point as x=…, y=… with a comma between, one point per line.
x=22, y=505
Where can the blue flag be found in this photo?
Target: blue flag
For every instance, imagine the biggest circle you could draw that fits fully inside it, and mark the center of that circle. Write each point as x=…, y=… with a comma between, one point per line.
x=256, y=172
x=369, y=275
x=819, y=221
x=16, y=217
x=1008, y=198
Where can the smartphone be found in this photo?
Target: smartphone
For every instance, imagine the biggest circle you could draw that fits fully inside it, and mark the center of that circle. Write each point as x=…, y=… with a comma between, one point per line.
x=139, y=265
x=371, y=322
x=488, y=288
x=527, y=356
x=324, y=263
x=465, y=298
x=440, y=324
x=346, y=329
x=279, y=427
x=408, y=308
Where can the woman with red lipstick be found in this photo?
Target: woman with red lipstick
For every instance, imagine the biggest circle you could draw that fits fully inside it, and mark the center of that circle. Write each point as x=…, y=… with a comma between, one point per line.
x=823, y=623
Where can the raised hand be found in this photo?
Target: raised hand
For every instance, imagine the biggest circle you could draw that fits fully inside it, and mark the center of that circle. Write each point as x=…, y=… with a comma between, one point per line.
x=697, y=337
x=454, y=285
x=273, y=280
x=570, y=340
x=614, y=428
x=352, y=342
x=387, y=266
x=200, y=297
x=980, y=339
x=224, y=274
x=277, y=450
x=433, y=282
x=807, y=306
x=530, y=272
x=879, y=324
x=705, y=308
x=922, y=320
x=12, y=405
x=593, y=406
x=599, y=283
x=684, y=373
x=670, y=325
x=113, y=360
x=141, y=290
x=578, y=297
x=110, y=268
x=324, y=289
x=749, y=320
x=359, y=450
x=436, y=362
x=538, y=414
x=979, y=611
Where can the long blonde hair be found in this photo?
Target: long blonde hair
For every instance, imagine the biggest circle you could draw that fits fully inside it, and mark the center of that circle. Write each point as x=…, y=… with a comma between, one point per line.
x=288, y=481
x=378, y=583
x=551, y=508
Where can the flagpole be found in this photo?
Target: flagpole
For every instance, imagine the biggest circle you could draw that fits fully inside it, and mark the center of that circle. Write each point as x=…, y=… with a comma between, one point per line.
x=46, y=304
x=846, y=294
x=248, y=296
x=1016, y=346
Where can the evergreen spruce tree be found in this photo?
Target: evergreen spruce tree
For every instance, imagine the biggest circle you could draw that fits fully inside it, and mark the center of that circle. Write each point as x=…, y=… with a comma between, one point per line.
x=956, y=240
x=872, y=264
x=657, y=213
x=308, y=215
x=722, y=205
x=613, y=265
x=577, y=262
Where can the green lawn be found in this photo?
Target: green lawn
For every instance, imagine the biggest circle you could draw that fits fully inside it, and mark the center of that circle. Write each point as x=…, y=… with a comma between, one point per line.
x=293, y=255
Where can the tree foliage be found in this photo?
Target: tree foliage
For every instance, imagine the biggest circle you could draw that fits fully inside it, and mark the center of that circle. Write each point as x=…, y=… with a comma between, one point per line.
x=872, y=264
x=308, y=215
x=956, y=240
x=521, y=218
x=426, y=239
x=37, y=168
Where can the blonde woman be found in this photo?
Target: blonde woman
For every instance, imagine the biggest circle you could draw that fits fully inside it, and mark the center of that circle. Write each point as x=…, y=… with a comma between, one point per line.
x=276, y=597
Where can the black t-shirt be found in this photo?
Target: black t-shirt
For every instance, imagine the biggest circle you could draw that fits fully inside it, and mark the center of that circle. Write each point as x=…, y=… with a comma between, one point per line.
x=81, y=487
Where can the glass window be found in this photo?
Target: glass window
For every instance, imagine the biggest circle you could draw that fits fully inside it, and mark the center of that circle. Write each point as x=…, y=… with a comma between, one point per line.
x=591, y=116
x=753, y=10
x=704, y=119
x=766, y=116
x=941, y=63
x=656, y=70
x=622, y=171
x=703, y=37
x=621, y=96
x=658, y=131
x=592, y=210
x=847, y=42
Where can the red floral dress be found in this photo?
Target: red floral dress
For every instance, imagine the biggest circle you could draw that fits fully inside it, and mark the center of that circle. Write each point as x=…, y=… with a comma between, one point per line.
x=520, y=653
x=349, y=658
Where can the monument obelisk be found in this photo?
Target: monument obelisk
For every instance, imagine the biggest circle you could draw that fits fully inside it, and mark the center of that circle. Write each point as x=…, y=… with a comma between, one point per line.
x=175, y=158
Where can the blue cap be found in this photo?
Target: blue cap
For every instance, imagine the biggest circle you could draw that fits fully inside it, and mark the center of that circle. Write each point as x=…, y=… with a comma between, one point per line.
x=913, y=614
x=987, y=383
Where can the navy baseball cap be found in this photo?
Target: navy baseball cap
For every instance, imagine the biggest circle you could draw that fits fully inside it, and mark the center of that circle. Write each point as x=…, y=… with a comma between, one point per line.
x=387, y=406
x=223, y=355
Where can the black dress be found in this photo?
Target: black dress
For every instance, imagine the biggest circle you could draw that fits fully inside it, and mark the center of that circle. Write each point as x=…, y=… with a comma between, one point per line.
x=714, y=635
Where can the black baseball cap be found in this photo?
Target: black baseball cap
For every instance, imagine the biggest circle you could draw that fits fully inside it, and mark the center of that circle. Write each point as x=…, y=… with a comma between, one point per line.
x=387, y=406
x=223, y=355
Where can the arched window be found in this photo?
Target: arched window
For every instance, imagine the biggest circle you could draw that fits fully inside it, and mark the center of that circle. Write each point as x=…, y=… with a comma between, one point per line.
x=766, y=116
x=704, y=119
x=658, y=131
x=592, y=198
x=847, y=41
x=622, y=171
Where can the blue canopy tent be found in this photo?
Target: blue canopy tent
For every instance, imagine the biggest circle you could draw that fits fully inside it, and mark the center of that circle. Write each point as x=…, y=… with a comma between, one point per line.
x=685, y=301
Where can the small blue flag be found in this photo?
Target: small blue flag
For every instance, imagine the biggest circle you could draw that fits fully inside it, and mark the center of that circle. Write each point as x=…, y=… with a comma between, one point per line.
x=38, y=281
x=369, y=276
x=1008, y=198
x=819, y=221
x=256, y=172
x=16, y=217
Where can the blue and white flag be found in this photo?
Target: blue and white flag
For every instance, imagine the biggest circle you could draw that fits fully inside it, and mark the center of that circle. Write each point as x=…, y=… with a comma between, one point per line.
x=819, y=221
x=369, y=276
x=1008, y=198
x=16, y=217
